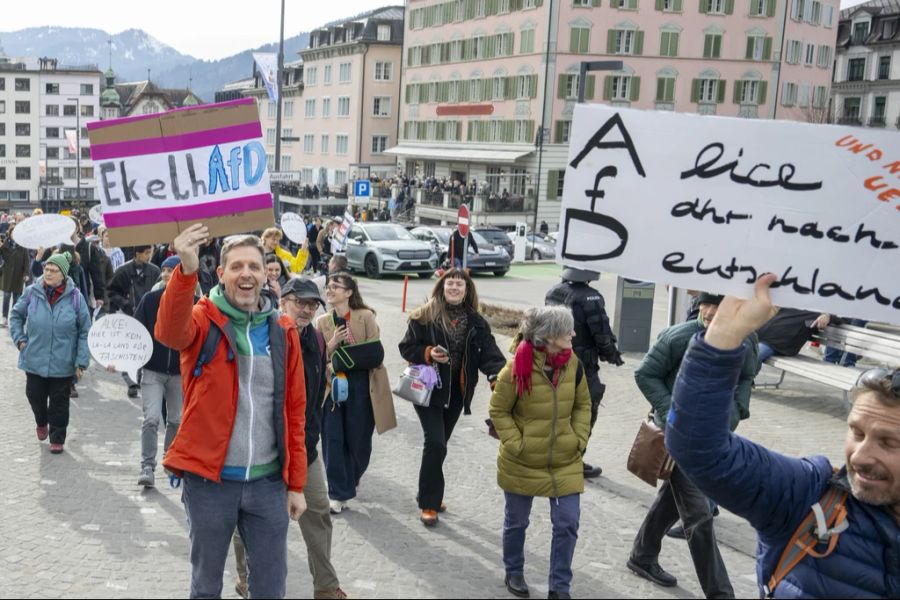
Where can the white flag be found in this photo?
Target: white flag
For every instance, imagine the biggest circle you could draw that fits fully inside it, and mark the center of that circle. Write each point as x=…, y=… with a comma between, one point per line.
x=267, y=63
x=72, y=138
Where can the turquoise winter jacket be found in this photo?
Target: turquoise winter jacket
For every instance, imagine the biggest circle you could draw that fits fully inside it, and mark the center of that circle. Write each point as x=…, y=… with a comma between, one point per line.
x=56, y=337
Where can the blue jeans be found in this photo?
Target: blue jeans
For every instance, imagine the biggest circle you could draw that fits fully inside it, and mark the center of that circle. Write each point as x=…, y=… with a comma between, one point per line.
x=347, y=430
x=259, y=510
x=839, y=357
x=565, y=514
x=765, y=352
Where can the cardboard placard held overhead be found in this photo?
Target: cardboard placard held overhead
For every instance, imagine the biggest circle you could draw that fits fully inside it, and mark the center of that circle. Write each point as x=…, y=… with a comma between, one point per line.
x=158, y=174
x=713, y=203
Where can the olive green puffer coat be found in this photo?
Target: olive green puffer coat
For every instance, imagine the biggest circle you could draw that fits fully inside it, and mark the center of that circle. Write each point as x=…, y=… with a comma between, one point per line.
x=544, y=434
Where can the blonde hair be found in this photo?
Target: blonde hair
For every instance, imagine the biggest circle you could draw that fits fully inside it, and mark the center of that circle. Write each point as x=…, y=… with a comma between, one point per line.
x=273, y=232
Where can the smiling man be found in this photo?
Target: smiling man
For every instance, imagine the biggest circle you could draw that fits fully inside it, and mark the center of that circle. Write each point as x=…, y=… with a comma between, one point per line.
x=241, y=445
x=776, y=493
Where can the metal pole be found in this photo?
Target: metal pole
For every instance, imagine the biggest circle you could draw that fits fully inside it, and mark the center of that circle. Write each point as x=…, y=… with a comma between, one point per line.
x=278, y=112
x=78, y=148
x=672, y=304
x=465, y=251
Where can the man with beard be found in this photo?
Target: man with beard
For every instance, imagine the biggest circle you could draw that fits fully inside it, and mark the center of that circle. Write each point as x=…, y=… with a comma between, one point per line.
x=778, y=494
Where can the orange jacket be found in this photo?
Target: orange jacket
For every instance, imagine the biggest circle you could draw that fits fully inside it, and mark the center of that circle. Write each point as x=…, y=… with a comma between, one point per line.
x=210, y=401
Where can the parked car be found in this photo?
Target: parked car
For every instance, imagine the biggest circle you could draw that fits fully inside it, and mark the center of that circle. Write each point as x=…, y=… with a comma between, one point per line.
x=490, y=258
x=537, y=247
x=379, y=248
x=497, y=237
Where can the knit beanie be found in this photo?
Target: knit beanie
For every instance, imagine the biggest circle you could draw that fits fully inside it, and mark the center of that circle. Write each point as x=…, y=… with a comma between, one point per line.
x=171, y=262
x=62, y=260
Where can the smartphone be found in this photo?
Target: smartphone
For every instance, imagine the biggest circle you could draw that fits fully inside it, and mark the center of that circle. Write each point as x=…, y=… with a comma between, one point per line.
x=442, y=350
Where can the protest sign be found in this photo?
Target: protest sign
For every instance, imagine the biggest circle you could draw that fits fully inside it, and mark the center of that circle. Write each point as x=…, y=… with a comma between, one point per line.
x=122, y=342
x=713, y=203
x=293, y=227
x=343, y=231
x=158, y=174
x=44, y=231
x=96, y=214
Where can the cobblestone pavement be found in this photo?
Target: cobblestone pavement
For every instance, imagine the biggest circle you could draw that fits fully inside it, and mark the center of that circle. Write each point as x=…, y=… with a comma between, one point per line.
x=77, y=525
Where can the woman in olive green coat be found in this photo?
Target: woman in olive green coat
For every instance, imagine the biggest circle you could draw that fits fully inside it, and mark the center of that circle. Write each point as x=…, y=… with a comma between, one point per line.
x=541, y=409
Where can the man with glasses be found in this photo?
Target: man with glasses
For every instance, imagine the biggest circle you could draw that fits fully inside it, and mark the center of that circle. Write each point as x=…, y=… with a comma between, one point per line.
x=241, y=445
x=776, y=493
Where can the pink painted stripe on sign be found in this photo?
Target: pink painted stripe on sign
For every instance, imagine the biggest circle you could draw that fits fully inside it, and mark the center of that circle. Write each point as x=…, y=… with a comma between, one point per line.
x=113, y=122
x=176, y=143
x=220, y=208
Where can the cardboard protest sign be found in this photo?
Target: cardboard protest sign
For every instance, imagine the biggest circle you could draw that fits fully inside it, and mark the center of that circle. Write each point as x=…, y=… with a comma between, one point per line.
x=158, y=174
x=340, y=236
x=122, y=342
x=713, y=203
x=44, y=231
x=96, y=214
x=294, y=227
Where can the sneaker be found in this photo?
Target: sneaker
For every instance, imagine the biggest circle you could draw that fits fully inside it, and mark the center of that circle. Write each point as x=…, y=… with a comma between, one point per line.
x=42, y=432
x=147, y=478
x=242, y=588
x=429, y=517
x=335, y=594
x=133, y=391
x=336, y=507
x=56, y=448
x=654, y=573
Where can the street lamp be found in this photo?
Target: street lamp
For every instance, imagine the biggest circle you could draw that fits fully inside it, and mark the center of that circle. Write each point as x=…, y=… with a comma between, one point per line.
x=77, y=146
x=278, y=113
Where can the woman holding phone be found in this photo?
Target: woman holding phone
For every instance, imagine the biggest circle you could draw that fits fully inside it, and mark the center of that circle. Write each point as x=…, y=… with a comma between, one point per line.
x=449, y=334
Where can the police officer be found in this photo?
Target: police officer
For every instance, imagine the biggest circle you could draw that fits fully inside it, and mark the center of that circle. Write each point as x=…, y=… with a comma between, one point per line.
x=594, y=340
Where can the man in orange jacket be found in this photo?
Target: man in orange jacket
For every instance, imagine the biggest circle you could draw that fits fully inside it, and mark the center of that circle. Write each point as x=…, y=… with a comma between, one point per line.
x=241, y=446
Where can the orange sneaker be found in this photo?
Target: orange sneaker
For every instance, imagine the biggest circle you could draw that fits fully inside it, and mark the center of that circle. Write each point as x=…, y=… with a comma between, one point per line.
x=429, y=517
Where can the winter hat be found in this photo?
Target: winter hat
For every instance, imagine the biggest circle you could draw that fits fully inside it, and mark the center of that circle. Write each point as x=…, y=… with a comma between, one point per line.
x=707, y=298
x=171, y=262
x=62, y=260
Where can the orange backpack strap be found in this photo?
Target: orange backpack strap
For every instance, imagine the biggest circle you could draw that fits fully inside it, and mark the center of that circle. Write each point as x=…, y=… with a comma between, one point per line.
x=823, y=525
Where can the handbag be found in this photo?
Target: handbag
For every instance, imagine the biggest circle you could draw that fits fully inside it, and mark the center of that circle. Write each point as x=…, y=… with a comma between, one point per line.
x=363, y=356
x=417, y=383
x=649, y=460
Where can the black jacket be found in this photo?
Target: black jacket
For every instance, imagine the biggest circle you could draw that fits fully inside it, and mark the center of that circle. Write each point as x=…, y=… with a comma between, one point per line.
x=126, y=289
x=789, y=330
x=594, y=339
x=312, y=345
x=164, y=359
x=458, y=244
x=92, y=265
x=480, y=354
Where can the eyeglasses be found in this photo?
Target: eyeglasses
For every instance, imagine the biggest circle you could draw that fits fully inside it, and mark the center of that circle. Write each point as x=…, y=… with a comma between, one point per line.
x=877, y=375
x=335, y=287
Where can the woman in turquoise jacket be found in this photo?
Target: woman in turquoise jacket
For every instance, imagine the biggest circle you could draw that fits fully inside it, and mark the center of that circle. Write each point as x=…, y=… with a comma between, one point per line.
x=49, y=325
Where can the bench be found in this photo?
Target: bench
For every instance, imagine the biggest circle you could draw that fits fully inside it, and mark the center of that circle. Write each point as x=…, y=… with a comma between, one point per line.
x=878, y=343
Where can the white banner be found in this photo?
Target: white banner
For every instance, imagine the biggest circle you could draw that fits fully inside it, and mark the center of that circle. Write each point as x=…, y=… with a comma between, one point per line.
x=267, y=63
x=712, y=203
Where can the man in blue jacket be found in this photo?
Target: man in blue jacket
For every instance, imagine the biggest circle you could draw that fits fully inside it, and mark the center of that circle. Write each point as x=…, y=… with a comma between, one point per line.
x=774, y=492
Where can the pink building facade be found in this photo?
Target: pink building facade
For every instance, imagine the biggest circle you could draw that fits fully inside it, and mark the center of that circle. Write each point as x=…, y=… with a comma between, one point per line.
x=490, y=85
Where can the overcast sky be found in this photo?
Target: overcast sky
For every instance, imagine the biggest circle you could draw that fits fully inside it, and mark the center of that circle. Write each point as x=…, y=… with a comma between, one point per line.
x=201, y=28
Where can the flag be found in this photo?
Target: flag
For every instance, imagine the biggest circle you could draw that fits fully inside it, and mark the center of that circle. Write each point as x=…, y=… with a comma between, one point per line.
x=267, y=63
x=72, y=137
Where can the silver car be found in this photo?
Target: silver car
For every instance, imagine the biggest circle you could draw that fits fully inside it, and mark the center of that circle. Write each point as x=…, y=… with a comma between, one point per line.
x=490, y=258
x=537, y=247
x=380, y=248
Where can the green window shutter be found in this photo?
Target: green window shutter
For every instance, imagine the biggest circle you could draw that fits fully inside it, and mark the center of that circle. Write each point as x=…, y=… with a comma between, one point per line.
x=660, y=89
x=750, y=44
x=770, y=8
x=677, y=6
x=695, y=90
x=720, y=92
x=729, y=7
x=635, y=89
x=704, y=6
x=738, y=90
x=595, y=3
x=510, y=86
x=763, y=88
x=673, y=47
x=491, y=47
x=532, y=86
x=638, y=42
x=670, y=90
x=633, y=4
x=717, y=46
x=608, y=87
x=407, y=94
x=573, y=39
x=552, y=183
x=557, y=133
x=707, y=46
x=589, y=85
x=490, y=8
x=561, y=87
x=611, y=41
x=754, y=7
x=660, y=4
x=664, y=43
x=767, y=48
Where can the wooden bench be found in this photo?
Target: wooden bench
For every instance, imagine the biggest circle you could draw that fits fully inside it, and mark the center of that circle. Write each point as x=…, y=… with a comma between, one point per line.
x=877, y=343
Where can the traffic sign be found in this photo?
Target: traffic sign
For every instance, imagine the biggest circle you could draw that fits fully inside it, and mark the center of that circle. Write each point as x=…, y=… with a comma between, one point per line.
x=362, y=188
x=462, y=220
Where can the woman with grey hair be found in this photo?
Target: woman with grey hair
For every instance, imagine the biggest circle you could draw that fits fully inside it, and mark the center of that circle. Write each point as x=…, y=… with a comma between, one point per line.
x=541, y=409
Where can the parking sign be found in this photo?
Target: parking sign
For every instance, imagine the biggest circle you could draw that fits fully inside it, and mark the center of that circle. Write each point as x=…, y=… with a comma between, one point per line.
x=362, y=188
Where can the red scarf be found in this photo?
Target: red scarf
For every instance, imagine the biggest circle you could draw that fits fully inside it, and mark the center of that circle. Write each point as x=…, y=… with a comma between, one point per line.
x=523, y=363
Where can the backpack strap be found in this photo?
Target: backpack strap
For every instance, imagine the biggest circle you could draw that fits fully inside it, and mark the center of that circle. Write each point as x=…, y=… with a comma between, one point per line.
x=208, y=350
x=826, y=521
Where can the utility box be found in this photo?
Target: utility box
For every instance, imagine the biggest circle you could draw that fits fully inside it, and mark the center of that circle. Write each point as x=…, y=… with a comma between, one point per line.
x=634, y=314
x=520, y=243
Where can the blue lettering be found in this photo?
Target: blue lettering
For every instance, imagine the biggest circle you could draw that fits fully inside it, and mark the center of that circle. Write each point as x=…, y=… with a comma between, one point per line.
x=254, y=177
x=217, y=174
x=234, y=161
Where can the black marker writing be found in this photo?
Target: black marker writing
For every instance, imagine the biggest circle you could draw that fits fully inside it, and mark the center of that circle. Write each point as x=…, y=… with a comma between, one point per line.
x=706, y=167
x=684, y=209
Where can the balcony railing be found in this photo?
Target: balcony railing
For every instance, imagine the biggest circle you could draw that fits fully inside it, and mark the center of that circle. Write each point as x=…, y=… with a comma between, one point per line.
x=877, y=121
x=433, y=198
x=850, y=121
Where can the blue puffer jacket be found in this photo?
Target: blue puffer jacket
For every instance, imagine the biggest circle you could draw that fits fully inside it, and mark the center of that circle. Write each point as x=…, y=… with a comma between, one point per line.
x=56, y=336
x=772, y=491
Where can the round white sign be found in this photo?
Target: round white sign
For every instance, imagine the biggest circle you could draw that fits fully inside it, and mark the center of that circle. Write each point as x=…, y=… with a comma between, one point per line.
x=294, y=227
x=96, y=214
x=44, y=231
x=120, y=341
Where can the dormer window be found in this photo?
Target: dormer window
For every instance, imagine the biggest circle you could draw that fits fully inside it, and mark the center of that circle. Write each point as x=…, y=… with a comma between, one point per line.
x=860, y=32
x=384, y=33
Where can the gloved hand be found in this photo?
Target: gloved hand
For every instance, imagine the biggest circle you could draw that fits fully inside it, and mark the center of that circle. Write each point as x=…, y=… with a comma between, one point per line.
x=613, y=357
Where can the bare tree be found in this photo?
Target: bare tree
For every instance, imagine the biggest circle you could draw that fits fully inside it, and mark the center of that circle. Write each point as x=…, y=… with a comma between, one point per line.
x=822, y=114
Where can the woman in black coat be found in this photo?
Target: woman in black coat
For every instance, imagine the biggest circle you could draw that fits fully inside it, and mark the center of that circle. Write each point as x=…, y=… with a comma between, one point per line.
x=449, y=334
x=15, y=260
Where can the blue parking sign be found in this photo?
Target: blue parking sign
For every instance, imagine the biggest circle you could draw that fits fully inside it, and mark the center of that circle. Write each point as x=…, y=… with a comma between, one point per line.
x=362, y=188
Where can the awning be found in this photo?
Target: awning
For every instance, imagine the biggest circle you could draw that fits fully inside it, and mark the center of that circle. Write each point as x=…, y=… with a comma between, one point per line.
x=460, y=153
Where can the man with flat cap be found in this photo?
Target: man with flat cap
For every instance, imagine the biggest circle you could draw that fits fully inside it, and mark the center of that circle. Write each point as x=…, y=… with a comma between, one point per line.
x=594, y=340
